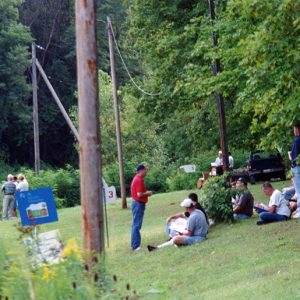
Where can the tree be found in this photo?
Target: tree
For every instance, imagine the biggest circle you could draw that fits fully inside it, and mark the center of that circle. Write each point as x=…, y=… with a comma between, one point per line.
x=15, y=114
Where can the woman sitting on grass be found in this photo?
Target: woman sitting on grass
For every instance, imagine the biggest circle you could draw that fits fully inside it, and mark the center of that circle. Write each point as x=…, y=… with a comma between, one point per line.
x=197, y=228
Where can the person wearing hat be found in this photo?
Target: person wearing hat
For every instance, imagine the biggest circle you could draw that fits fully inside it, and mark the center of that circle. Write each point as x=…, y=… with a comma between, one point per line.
x=244, y=201
x=139, y=195
x=196, y=231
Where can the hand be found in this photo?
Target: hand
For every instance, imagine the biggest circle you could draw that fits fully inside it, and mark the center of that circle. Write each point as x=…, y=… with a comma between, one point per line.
x=149, y=193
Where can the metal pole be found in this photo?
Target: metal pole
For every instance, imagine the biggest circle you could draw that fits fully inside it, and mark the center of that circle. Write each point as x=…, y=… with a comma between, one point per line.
x=117, y=113
x=57, y=100
x=89, y=128
x=35, y=114
x=216, y=68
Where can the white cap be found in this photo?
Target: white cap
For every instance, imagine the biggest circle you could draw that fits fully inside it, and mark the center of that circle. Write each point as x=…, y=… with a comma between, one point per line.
x=220, y=152
x=186, y=203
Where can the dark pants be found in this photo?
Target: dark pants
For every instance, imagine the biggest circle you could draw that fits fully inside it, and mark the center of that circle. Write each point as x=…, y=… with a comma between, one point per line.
x=268, y=217
x=137, y=209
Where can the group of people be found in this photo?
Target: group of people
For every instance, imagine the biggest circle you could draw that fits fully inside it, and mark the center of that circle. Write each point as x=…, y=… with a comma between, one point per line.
x=195, y=229
x=278, y=208
x=13, y=185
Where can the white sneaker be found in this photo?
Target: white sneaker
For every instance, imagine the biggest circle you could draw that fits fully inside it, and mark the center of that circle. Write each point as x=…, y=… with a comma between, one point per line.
x=296, y=216
x=137, y=249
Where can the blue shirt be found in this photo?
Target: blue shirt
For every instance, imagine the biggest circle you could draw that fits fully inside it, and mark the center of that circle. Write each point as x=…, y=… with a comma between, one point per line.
x=295, y=150
x=197, y=223
x=9, y=188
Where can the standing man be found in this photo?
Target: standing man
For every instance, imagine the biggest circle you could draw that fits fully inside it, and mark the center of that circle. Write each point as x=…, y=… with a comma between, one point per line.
x=293, y=155
x=139, y=196
x=9, y=189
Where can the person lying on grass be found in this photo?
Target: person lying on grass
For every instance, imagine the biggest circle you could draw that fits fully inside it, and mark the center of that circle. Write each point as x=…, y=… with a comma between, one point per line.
x=278, y=209
x=197, y=228
x=181, y=217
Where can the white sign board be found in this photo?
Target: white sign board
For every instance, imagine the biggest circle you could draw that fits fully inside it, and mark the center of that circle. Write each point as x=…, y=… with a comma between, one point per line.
x=109, y=192
x=188, y=168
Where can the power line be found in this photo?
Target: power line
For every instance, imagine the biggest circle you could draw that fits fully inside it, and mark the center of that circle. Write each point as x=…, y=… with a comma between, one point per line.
x=125, y=66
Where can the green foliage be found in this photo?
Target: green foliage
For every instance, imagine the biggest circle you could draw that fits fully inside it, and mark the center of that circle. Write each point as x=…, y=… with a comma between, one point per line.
x=15, y=114
x=64, y=182
x=215, y=196
x=182, y=181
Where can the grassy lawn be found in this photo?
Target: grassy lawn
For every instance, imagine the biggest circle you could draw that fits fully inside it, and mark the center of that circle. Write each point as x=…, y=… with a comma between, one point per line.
x=240, y=261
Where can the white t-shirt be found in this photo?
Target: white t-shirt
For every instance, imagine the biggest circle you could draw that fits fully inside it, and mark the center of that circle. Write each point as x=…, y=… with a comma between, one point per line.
x=281, y=204
x=219, y=161
x=230, y=158
x=23, y=186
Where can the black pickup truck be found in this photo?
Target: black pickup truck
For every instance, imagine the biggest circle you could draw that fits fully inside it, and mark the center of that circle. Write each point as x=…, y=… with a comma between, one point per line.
x=263, y=165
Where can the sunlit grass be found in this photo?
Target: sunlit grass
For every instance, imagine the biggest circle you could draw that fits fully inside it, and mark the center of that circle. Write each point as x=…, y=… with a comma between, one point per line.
x=239, y=261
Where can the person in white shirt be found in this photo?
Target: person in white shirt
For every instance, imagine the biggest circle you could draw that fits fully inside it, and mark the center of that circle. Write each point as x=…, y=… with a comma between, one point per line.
x=219, y=159
x=23, y=184
x=278, y=209
x=231, y=161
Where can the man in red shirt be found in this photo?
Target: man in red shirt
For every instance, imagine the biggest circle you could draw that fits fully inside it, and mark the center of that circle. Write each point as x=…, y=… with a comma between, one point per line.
x=139, y=196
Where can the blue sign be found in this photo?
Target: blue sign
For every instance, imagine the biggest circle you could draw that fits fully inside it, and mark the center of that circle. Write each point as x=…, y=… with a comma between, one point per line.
x=37, y=206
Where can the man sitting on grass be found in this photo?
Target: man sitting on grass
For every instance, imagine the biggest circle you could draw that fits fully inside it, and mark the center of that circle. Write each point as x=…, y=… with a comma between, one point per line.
x=197, y=228
x=180, y=218
x=243, y=206
x=278, y=209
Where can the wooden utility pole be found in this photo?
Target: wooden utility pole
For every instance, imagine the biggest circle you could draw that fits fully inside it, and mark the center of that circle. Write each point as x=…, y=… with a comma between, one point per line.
x=57, y=100
x=216, y=68
x=35, y=114
x=117, y=113
x=89, y=128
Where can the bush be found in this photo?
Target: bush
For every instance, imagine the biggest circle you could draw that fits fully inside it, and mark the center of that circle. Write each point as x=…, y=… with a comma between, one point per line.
x=65, y=184
x=182, y=181
x=215, y=196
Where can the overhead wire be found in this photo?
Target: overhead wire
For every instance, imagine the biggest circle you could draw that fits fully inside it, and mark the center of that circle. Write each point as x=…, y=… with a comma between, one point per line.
x=125, y=66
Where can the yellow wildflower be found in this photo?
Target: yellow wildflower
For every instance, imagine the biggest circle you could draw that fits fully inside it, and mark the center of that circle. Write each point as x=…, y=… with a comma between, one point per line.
x=47, y=273
x=71, y=249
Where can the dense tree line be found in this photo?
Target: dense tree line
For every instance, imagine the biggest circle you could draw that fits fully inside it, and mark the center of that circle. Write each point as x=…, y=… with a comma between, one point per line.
x=168, y=48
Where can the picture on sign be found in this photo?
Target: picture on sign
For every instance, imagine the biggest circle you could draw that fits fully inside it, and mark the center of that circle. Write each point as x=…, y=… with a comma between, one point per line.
x=38, y=210
x=37, y=206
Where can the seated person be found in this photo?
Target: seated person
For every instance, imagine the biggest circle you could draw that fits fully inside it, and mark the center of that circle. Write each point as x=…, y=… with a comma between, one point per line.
x=181, y=217
x=197, y=228
x=289, y=194
x=278, y=209
x=244, y=201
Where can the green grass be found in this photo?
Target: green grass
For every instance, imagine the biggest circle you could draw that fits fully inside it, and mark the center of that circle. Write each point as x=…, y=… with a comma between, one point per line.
x=239, y=261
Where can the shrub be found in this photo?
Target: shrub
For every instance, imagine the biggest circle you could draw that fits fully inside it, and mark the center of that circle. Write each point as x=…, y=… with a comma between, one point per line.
x=215, y=196
x=182, y=181
x=65, y=184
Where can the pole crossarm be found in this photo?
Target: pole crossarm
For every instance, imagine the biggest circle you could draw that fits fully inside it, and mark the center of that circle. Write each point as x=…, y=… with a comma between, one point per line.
x=57, y=100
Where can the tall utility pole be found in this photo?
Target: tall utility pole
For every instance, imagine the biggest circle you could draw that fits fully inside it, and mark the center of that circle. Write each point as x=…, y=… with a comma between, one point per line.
x=117, y=113
x=89, y=128
x=216, y=68
x=35, y=114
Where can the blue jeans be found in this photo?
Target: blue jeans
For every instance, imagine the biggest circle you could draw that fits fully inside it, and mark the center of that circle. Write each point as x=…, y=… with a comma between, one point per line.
x=240, y=216
x=296, y=173
x=189, y=240
x=268, y=217
x=137, y=209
